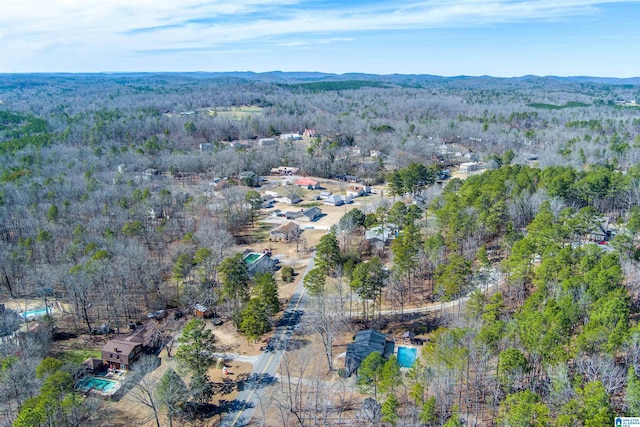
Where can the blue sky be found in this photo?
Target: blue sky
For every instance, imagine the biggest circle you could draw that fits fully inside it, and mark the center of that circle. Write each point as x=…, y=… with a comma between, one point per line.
x=444, y=37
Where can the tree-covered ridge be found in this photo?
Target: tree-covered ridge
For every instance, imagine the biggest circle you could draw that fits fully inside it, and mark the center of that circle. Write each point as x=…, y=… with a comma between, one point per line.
x=334, y=86
x=553, y=343
x=560, y=333
x=19, y=130
x=504, y=200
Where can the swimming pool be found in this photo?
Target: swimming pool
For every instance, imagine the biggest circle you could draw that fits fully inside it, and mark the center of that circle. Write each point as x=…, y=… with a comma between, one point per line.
x=407, y=356
x=36, y=313
x=101, y=385
x=251, y=258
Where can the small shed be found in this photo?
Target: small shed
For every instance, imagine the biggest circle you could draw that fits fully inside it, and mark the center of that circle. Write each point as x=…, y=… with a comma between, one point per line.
x=408, y=335
x=201, y=311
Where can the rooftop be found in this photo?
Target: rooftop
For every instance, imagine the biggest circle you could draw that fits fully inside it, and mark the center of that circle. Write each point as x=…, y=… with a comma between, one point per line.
x=287, y=228
x=306, y=181
x=120, y=346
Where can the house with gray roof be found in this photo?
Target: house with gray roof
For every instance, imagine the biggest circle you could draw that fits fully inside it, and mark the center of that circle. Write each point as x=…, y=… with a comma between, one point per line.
x=336, y=200
x=310, y=214
x=366, y=342
x=380, y=235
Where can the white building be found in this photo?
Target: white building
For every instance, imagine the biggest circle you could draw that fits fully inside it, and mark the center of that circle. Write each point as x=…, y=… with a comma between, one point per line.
x=290, y=137
x=470, y=167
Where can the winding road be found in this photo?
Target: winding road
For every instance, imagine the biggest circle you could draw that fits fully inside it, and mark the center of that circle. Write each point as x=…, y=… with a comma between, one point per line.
x=266, y=365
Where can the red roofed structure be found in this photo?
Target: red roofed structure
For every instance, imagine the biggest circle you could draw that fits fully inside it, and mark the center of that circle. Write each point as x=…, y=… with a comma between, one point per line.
x=308, y=183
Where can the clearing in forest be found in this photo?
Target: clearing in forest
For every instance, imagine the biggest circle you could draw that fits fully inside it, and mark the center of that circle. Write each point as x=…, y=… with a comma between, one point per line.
x=235, y=113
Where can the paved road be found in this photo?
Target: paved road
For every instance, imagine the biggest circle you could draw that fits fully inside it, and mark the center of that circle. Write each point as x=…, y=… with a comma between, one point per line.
x=266, y=365
x=495, y=279
x=265, y=368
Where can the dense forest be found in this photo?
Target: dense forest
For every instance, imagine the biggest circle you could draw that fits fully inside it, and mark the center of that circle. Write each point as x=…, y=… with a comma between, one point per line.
x=107, y=203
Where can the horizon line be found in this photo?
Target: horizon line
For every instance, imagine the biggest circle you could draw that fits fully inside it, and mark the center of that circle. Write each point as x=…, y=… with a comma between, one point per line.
x=314, y=72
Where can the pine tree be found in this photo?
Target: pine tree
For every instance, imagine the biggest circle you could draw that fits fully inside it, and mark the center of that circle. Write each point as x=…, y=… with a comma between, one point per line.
x=196, y=347
x=255, y=320
x=632, y=395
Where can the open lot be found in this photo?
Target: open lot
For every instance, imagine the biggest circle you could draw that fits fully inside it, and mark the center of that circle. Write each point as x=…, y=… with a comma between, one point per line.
x=235, y=113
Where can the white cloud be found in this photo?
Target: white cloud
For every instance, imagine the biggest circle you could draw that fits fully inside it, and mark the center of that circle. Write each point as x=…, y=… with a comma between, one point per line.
x=121, y=27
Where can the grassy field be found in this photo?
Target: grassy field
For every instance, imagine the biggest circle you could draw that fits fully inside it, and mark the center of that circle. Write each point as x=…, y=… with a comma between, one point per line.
x=78, y=356
x=572, y=104
x=235, y=113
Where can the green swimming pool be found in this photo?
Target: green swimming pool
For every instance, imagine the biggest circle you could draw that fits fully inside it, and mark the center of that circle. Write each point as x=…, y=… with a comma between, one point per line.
x=102, y=385
x=251, y=258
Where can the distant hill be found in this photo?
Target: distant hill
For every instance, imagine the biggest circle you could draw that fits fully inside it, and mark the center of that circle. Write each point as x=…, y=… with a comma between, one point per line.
x=309, y=76
x=302, y=77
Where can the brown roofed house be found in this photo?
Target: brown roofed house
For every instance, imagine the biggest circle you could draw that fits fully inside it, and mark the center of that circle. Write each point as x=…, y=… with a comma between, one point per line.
x=285, y=232
x=119, y=353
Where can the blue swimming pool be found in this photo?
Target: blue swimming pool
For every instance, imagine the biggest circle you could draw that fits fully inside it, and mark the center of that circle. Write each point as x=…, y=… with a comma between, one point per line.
x=407, y=356
x=35, y=313
x=102, y=385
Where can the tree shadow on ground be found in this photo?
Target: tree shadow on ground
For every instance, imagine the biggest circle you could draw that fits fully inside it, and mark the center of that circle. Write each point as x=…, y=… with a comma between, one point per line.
x=290, y=318
x=286, y=344
x=254, y=381
x=203, y=411
x=225, y=387
x=194, y=411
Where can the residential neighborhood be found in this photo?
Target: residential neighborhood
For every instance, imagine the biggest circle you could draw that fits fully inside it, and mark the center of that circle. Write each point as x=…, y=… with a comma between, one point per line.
x=307, y=249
